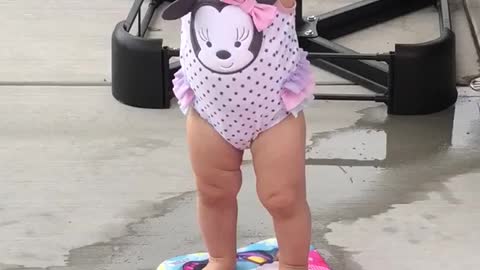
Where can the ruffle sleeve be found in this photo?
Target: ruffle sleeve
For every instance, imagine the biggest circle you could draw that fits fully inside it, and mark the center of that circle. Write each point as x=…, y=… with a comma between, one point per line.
x=182, y=90
x=298, y=89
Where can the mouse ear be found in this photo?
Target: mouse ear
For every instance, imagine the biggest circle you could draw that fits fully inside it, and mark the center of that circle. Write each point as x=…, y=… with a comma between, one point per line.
x=178, y=9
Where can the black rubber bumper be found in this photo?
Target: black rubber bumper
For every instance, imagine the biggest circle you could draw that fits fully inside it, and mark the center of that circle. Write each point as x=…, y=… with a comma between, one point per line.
x=137, y=66
x=424, y=76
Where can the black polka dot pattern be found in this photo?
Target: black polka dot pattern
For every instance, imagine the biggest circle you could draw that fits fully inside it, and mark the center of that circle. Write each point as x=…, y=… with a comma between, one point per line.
x=242, y=105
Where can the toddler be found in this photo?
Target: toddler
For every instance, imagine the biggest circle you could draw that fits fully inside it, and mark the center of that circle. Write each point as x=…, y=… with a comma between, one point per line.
x=243, y=84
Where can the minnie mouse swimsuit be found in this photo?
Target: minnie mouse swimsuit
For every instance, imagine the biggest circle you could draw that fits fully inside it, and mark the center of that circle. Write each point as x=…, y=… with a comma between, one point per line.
x=242, y=68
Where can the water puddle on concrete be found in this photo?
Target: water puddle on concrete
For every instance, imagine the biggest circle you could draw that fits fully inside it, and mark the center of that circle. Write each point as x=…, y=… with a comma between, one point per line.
x=385, y=161
x=355, y=172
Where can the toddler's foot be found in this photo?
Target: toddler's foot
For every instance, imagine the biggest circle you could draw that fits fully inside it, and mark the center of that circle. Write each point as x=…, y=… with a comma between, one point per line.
x=286, y=267
x=291, y=267
x=277, y=266
x=220, y=264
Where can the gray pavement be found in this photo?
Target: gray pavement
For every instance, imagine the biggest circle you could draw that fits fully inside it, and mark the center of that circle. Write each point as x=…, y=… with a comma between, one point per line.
x=57, y=40
x=87, y=183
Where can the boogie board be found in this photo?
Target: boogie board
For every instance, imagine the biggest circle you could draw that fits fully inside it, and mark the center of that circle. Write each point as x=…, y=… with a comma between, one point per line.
x=260, y=255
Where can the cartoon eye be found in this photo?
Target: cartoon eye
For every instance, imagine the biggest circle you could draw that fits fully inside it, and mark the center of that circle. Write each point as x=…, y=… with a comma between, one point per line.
x=203, y=34
x=242, y=35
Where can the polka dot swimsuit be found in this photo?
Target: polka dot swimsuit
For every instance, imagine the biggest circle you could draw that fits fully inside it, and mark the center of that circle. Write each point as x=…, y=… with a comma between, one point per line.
x=241, y=80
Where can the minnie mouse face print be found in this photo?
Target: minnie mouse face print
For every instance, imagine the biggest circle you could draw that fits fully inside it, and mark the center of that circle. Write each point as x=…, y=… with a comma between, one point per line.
x=224, y=37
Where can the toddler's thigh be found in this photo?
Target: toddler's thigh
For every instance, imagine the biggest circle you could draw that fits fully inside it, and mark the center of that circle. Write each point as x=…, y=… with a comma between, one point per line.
x=279, y=157
x=212, y=157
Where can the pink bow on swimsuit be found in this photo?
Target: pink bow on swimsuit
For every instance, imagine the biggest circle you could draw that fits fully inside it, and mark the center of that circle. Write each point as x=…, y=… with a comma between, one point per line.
x=262, y=14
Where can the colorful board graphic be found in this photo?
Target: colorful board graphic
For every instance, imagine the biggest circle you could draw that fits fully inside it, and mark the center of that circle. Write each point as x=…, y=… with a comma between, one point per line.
x=260, y=255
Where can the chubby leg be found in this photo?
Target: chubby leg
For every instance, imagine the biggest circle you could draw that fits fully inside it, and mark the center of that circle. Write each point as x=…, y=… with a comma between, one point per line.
x=216, y=165
x=279, y=161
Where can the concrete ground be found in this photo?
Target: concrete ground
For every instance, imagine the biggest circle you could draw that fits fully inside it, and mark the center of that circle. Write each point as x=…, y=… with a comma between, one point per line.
x=87, y=183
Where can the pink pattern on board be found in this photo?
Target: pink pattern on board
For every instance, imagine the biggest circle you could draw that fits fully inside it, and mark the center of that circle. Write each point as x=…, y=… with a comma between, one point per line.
x=316, y=262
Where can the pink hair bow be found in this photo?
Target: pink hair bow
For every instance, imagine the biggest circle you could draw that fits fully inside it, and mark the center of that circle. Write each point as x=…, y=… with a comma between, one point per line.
x=262, y=14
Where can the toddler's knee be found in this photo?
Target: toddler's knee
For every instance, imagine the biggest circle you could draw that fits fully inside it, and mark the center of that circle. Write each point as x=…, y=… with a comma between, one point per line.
x=216, y=197
x=218, y=192
x=281, y=204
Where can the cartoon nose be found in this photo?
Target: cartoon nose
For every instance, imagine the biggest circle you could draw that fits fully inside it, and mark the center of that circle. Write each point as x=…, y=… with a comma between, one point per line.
x=224, y=55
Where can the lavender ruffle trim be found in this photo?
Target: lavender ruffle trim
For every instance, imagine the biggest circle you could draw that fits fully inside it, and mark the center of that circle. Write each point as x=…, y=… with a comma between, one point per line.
x=182, y=90
x=297, y=91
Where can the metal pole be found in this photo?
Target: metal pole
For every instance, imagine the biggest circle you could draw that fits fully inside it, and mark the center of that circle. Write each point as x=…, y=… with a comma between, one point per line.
x=139, y=18
x=148, y=17
x=376, y=98
x=384, y=57
x=132, y=14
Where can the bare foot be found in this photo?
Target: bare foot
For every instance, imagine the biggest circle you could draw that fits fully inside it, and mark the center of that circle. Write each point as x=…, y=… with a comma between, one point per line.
x=277, y=256
x=287, y=267
x=220, y=264
x=291, y=267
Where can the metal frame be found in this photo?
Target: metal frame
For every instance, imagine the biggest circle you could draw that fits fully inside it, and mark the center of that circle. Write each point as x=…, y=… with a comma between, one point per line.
x=407, y=79
x=412, y=79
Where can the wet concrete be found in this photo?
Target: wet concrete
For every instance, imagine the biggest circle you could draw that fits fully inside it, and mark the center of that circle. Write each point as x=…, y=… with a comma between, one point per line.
x=362, y=164
x=422, y=156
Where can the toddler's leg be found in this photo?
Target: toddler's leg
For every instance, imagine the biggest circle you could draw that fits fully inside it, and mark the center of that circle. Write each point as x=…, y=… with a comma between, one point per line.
x=216, y=165
x=279, y=161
